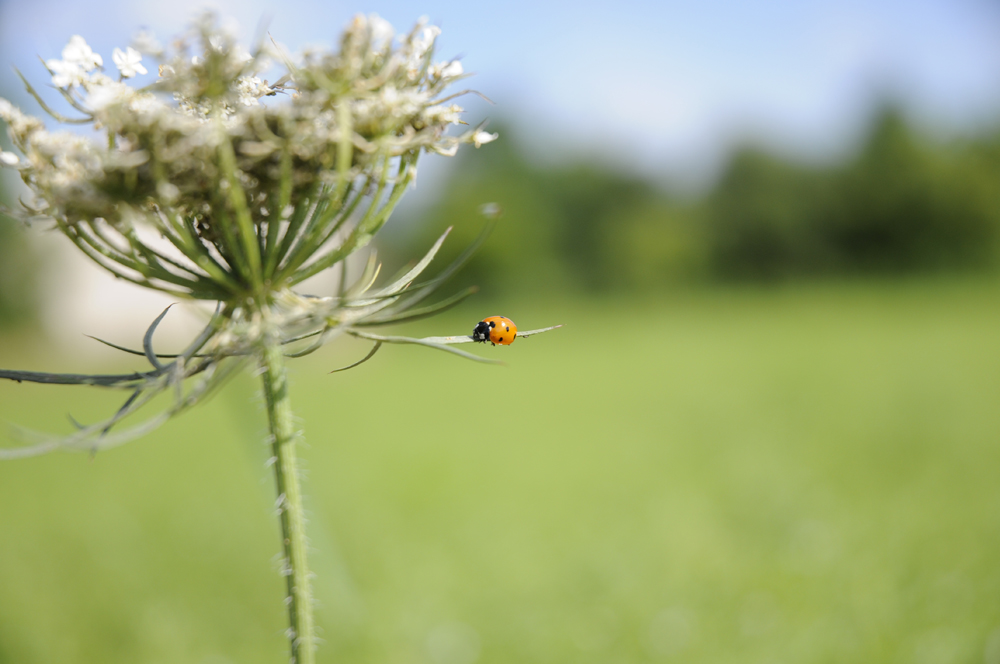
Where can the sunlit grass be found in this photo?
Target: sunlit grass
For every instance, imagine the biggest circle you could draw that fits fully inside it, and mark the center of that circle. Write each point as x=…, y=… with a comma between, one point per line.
x=805, y=474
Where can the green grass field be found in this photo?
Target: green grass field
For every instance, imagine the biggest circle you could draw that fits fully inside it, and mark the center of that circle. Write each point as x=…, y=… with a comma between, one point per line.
x=799, y=475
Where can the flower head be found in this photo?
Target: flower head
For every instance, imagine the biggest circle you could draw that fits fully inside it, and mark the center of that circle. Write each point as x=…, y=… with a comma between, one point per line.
x=129, y=62
x=78, y=52
x=77, y=62
x=449, y=70
x=381, y=30
x=252, y=197
x=66, y=74
x=480, y=138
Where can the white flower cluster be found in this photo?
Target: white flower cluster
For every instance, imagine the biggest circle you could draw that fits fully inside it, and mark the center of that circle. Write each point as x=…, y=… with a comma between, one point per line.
x=78, y=61
x=129, y=62
x=378, y=98
x=80, y=67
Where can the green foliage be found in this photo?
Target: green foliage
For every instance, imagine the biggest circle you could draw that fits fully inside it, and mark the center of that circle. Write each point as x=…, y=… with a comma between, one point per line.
x=582, y=227
x=761, y=216
x=18, y=268
x=805, y=475
x=902, y=204
x=18, y=272
x=905, y=204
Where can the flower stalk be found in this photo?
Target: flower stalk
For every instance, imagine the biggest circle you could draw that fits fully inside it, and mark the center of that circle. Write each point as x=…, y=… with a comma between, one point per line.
x=295, y=566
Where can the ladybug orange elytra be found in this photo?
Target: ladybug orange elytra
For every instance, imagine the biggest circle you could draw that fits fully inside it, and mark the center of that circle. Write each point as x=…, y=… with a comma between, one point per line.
x=496, y=330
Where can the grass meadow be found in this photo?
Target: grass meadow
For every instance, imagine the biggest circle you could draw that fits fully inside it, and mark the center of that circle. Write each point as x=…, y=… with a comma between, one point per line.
x=792, y=474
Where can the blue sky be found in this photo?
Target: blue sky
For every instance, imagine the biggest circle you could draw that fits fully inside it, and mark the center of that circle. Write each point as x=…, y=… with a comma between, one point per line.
x=658, y=85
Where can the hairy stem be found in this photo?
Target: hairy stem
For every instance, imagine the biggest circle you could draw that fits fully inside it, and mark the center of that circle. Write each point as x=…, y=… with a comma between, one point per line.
x=293, y=536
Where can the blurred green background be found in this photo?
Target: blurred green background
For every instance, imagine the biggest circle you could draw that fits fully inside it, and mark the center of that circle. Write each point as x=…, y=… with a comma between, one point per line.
x=713, y=461
x=801, y=474
x=768, y=432
x=900, y=204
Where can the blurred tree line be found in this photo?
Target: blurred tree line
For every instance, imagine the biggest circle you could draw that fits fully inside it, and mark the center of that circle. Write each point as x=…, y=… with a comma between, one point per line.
x=18, y=264
x=901, y=204
x=18, y=273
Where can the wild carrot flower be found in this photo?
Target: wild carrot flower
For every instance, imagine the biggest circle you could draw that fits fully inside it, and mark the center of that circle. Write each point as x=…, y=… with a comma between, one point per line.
x=213, y=183
x=129, y=62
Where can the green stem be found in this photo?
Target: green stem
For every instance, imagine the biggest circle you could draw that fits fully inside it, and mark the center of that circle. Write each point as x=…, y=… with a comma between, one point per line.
x=293, y=536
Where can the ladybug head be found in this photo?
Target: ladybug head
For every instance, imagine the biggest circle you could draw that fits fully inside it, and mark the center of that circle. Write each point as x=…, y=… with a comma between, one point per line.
x=481, y=332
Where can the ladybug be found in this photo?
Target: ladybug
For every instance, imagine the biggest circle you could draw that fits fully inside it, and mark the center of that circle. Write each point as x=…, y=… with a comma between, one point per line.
x=496, y=330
